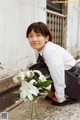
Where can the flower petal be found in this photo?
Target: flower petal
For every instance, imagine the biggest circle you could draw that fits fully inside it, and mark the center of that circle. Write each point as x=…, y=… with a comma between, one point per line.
x=34, y=90
x=21, y=75
x=42, y=78
x=30, y=97
x=37, y=71
x=15, y=79
x=23, y=95
x=29, y=73
x=29, y=88
x=48, y=88
x=32, y=81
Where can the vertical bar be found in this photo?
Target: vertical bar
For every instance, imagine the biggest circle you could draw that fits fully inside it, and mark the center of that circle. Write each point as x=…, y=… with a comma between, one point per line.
x=56, y=24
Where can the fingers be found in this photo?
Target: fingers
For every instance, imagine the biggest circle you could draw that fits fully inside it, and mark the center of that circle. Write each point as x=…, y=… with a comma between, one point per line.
x=51, y=94
x=54, y=98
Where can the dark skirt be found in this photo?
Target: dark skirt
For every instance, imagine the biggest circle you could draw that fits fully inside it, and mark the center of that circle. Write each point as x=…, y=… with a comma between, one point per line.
x=72, y=79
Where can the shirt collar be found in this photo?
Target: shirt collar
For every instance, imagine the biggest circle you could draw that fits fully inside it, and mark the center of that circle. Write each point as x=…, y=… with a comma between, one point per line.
x=40, y=52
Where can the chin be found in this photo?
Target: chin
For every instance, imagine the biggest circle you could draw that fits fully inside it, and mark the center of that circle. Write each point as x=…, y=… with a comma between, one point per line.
x=34, y=47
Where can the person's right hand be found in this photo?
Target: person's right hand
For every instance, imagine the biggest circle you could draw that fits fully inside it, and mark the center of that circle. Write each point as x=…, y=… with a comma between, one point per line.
x=51, y=93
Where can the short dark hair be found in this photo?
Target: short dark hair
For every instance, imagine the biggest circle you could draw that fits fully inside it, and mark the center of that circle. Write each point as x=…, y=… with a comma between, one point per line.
x=39, y=27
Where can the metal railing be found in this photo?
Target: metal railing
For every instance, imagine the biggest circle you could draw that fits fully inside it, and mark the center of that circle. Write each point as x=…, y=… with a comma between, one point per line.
x=57, y=24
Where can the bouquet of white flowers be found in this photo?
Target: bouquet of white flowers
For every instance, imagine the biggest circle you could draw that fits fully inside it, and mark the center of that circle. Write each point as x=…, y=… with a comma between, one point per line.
x=33, y=83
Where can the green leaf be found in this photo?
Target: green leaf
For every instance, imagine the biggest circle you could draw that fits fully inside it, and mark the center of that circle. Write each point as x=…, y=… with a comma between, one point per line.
x=35, y=77
x=43, y=90
x=43, y=84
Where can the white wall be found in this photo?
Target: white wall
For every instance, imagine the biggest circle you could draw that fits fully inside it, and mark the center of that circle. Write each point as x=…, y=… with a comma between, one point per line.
x=78, y=43
x=15, y=16
x=73, y=28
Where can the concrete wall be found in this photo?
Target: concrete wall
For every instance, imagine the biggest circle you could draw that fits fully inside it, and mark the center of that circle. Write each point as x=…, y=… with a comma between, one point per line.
x=73, y=28
x=78, y=43
x=15, y=16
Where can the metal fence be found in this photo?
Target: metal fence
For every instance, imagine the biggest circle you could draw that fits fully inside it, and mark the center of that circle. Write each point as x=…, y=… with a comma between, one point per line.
x=57, y=24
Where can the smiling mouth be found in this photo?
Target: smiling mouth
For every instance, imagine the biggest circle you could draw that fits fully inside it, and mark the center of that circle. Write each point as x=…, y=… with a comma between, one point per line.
x=35, y=43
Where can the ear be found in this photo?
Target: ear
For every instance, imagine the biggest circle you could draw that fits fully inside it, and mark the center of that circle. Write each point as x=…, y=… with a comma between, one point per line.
x=47, y=38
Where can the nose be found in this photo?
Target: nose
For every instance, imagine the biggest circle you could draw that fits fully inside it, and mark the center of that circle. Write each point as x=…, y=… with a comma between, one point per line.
x=34, y=38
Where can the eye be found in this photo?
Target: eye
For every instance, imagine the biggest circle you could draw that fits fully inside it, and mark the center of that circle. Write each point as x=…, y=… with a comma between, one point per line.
x=39, y=35
x=30, y=36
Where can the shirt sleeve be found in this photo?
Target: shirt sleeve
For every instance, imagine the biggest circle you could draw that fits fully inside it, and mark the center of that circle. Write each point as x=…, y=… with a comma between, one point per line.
x=56, y=68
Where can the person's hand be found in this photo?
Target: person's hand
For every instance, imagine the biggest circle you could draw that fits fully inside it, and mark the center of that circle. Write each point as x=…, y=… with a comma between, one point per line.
x=54, y=98
x=51, y=93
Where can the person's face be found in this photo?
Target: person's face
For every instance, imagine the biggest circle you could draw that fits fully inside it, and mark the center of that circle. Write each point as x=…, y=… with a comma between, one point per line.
x=37, y=40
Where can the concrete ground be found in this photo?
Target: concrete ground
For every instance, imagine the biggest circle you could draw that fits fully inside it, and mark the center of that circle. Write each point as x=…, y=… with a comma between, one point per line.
x=46, y=111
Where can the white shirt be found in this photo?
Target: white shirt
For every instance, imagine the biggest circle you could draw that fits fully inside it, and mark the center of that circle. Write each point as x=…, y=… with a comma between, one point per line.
x=58, y=60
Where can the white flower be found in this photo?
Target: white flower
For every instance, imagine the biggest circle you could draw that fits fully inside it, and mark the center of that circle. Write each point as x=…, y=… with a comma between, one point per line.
x=15, y=79
x=42, y=78
x=23, y=93
x=32, y=85
x=48, y=88
x=37, y=71
x=29, y=73
x=22, y=75
x=32, y=81
x=28, y=90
